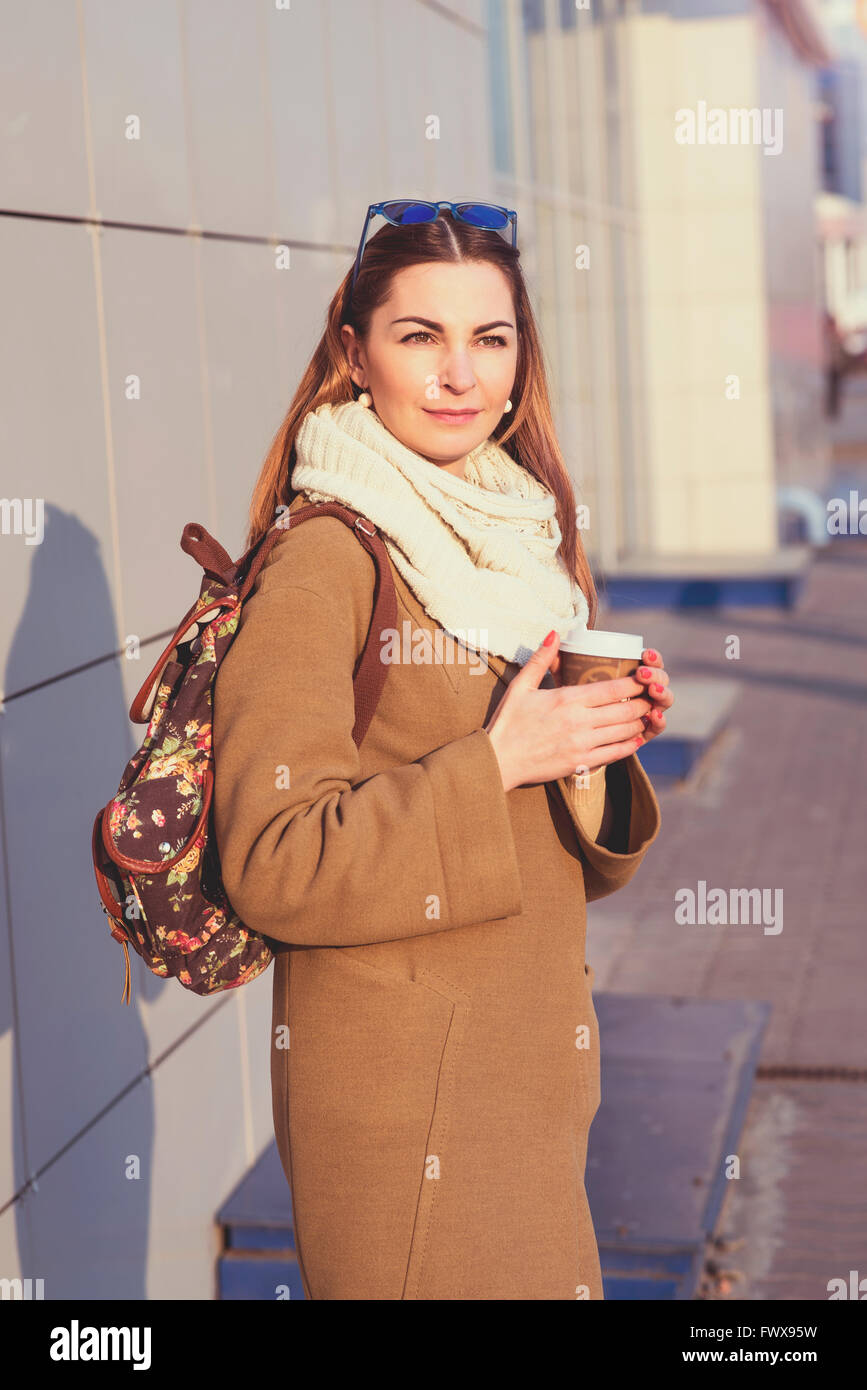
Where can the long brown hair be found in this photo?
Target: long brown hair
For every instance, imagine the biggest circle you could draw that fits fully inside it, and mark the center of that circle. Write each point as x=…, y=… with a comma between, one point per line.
x=527, y=433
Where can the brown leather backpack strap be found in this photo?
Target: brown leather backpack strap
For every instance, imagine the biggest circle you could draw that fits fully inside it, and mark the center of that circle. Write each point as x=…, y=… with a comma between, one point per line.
x=263, y=548
x=370, y=670
x=199, y=543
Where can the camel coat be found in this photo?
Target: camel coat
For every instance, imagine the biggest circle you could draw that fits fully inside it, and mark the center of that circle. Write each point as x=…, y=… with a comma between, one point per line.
x=433, y=1105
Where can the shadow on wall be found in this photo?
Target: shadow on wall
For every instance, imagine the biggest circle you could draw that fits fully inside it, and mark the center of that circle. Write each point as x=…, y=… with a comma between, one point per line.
x=81, y=1106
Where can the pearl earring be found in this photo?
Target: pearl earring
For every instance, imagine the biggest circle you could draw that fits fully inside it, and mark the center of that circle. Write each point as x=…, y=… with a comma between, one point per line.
x=507, y=407
x=365, y=398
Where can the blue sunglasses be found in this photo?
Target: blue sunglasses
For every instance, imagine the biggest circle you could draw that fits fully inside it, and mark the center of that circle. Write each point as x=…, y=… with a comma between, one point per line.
x=399, y=214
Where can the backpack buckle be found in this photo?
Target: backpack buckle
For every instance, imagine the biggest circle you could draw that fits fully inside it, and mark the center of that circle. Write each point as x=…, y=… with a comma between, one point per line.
x=358, y=521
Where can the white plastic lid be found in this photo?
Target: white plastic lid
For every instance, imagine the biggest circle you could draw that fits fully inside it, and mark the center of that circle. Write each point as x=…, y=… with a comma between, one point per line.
x=593, y=642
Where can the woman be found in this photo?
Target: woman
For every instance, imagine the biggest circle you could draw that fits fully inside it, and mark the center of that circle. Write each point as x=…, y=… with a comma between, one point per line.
x=433, y=1106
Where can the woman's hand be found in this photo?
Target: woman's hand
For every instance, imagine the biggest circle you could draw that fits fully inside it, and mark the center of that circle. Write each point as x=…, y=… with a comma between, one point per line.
x=655, y=680
x=541, y=735
x=656, y=683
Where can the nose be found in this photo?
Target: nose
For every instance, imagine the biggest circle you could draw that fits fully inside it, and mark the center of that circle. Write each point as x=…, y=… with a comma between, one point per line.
x=456, y=371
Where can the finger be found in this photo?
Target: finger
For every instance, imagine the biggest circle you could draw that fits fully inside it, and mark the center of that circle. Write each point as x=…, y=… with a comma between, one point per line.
x=652, y=675
x=661, y=695
x=611, y=753
x=662, y=698
x=651, y=728
x=595, y=693
x=533, y=671
x=605, y=715
x=620, y=733
x=654, y=723
x=652, y=657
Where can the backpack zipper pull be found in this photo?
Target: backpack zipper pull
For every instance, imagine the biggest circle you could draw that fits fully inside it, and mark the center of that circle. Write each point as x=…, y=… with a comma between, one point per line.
x=126, y=997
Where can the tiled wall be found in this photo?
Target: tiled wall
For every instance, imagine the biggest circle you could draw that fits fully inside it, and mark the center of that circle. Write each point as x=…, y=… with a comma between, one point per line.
x=254, y=123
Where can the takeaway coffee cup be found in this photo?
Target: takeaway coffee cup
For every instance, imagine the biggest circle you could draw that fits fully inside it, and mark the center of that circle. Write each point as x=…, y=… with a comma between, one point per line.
x=593, y=655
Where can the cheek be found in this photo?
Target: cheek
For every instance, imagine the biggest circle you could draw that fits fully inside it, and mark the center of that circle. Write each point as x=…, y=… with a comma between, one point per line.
x=497, y=372
x=405, y=379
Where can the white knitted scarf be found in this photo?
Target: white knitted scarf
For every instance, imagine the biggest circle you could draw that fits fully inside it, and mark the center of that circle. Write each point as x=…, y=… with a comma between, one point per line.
x=478, y=552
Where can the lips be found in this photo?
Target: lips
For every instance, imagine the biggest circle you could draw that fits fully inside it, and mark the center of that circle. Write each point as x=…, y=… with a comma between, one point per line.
x=455, y=415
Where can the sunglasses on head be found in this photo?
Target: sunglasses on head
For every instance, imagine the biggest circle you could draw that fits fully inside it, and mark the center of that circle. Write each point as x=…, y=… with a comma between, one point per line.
x=400, y=213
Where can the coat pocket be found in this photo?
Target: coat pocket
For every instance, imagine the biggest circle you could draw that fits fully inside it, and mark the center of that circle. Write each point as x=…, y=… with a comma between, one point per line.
x=371, y=1071
x=437, y=1153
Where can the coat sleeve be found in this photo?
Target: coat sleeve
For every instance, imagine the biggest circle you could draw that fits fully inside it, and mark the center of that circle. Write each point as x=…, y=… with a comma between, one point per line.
x=637, y=808
x=310, y=854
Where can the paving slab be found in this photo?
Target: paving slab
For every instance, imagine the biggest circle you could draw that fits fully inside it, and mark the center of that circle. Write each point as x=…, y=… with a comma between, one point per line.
x=779, y=802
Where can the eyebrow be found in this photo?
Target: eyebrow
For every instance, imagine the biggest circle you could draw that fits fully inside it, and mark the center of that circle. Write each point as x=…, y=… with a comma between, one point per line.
x=438, y=328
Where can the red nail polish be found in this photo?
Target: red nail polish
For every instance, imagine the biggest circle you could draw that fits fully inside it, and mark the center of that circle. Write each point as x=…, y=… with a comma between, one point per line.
x=549, y=639
x=652, y=656
x=657, y=687
x=644, y=671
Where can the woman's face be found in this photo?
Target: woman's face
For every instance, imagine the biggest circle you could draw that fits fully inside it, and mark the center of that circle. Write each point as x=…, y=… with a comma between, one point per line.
x=444, y=341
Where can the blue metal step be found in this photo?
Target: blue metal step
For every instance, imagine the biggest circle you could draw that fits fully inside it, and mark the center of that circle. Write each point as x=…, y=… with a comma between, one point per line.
x=701, y=710
x=676, y=1080
x=259, y=1274
x=702, y=581
x=258, y=1259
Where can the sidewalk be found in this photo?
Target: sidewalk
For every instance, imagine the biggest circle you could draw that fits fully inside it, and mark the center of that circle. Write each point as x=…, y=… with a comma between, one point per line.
x=778, y=803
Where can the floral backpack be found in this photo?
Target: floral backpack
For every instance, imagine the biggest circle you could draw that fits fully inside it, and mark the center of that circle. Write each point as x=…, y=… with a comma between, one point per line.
x=154, y=849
